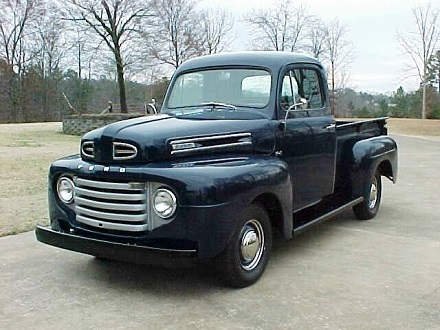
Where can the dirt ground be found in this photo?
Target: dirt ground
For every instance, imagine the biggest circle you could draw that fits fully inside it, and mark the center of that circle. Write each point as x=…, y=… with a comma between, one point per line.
x=26, y=151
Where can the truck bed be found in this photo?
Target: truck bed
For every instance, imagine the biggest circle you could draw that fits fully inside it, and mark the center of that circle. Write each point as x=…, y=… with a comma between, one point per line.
x=376, y=126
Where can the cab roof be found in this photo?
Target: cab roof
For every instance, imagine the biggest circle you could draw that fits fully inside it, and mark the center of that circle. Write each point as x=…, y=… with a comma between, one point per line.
x=272, y=60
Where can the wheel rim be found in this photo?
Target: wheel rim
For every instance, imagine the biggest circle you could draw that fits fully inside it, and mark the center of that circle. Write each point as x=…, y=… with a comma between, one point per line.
x=372, y=201
x=251, y=244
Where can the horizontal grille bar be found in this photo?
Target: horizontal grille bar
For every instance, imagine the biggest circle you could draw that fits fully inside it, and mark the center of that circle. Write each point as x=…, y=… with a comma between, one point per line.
x=112, y=205
x=111, y=216
x=104, y=185
x=109, y=195
x=110, y=225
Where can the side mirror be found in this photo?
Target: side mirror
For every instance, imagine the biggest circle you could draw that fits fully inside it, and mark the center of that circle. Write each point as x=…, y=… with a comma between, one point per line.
x=151, y=107
x=302, y=104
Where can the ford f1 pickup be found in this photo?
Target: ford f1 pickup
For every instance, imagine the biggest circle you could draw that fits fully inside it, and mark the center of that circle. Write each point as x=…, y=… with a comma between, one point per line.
x=244, y=146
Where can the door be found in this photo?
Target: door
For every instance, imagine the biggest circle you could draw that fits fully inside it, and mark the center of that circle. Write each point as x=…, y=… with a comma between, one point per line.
x=308, y=139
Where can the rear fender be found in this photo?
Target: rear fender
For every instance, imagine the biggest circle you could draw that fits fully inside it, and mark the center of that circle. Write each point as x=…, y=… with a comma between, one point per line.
x=367, y=156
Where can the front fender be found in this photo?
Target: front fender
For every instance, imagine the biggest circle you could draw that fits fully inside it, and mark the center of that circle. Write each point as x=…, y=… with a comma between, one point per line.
x=241, y=181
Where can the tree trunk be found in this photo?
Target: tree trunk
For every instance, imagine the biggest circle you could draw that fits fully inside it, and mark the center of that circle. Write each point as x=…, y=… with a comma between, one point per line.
x=121, y=81
x=14, y=93
x=122, y=93
x=333, y=101
x=424, y=92
x=424, y=101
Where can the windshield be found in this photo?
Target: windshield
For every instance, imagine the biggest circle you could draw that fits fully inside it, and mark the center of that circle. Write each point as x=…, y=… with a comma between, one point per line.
x=222, y=90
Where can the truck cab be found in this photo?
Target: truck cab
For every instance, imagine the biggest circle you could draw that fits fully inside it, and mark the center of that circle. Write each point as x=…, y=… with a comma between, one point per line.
x=244, y=145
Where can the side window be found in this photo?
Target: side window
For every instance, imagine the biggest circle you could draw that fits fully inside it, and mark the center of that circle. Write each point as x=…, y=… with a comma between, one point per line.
x=289, y=91
x=309, y=87
x=301, y=84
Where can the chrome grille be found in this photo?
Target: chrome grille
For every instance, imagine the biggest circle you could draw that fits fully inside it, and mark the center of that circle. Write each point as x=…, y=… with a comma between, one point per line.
x=112, y=205
x=87, y=149
x=123, y=151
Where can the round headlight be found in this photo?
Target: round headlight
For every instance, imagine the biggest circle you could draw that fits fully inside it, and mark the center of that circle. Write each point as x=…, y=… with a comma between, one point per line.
x=65, y=189
x=164, y=203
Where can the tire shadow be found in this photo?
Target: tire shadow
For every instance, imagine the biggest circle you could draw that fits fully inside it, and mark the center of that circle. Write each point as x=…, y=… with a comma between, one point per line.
x=203, y=278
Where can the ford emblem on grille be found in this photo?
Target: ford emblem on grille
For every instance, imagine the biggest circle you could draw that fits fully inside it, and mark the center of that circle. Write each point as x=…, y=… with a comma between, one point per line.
x=124, y=151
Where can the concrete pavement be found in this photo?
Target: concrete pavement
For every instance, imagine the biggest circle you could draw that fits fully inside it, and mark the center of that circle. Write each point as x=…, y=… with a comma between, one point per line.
x=344, y=274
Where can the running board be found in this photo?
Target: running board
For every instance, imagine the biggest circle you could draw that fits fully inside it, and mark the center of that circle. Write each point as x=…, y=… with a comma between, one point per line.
x=326, y=216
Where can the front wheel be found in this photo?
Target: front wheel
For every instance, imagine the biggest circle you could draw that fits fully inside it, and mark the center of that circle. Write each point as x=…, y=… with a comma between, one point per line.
x=245, y=258
x=369, y=207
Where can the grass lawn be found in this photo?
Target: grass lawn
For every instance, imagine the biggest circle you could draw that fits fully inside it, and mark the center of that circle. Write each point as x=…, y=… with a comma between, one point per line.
x=26, y=151
x=415, y=127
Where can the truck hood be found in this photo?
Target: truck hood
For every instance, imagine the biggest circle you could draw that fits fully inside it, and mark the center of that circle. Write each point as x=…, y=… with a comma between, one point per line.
x=161, y=137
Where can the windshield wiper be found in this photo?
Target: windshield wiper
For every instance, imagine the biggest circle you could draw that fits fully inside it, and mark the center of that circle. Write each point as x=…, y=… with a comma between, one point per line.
x=217, y=105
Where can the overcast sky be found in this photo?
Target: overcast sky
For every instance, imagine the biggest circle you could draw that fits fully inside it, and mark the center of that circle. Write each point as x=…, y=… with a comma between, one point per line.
x=373, y=24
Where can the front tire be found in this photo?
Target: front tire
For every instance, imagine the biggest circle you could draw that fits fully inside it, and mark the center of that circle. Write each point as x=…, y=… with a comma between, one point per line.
x=245, y=258
x=369, y=207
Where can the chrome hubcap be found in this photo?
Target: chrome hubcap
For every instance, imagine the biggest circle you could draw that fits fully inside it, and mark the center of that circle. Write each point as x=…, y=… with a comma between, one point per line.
x=373, y=194
x=251, y=244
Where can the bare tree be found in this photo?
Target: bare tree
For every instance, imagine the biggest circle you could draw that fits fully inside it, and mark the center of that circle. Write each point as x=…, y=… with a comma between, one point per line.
x=14, y=23
x=216, y=29
x=339, y=53
x=116, y=22
x=282, y=27
x=49, y=48
x=317, y=38
x=420, y=45
x=175, y=32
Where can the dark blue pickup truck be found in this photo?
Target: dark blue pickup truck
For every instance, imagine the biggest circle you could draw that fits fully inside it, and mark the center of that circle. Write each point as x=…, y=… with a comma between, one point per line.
x=244, y=146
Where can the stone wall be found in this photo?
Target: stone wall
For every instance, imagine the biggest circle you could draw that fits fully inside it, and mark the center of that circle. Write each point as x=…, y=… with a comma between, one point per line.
x=80, y=124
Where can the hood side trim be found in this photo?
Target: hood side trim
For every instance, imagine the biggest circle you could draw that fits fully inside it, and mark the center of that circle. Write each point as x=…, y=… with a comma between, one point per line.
x=195, y=144
x=237, y=144
x=212, y=137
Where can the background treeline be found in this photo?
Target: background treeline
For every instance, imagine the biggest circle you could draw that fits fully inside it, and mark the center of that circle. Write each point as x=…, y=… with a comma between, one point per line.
x=400, y=104
x=43, y=99
x=59, y=57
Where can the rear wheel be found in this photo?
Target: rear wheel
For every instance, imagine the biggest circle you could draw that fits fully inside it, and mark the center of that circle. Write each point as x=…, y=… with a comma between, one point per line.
x=370, y=205
x=245, y=258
